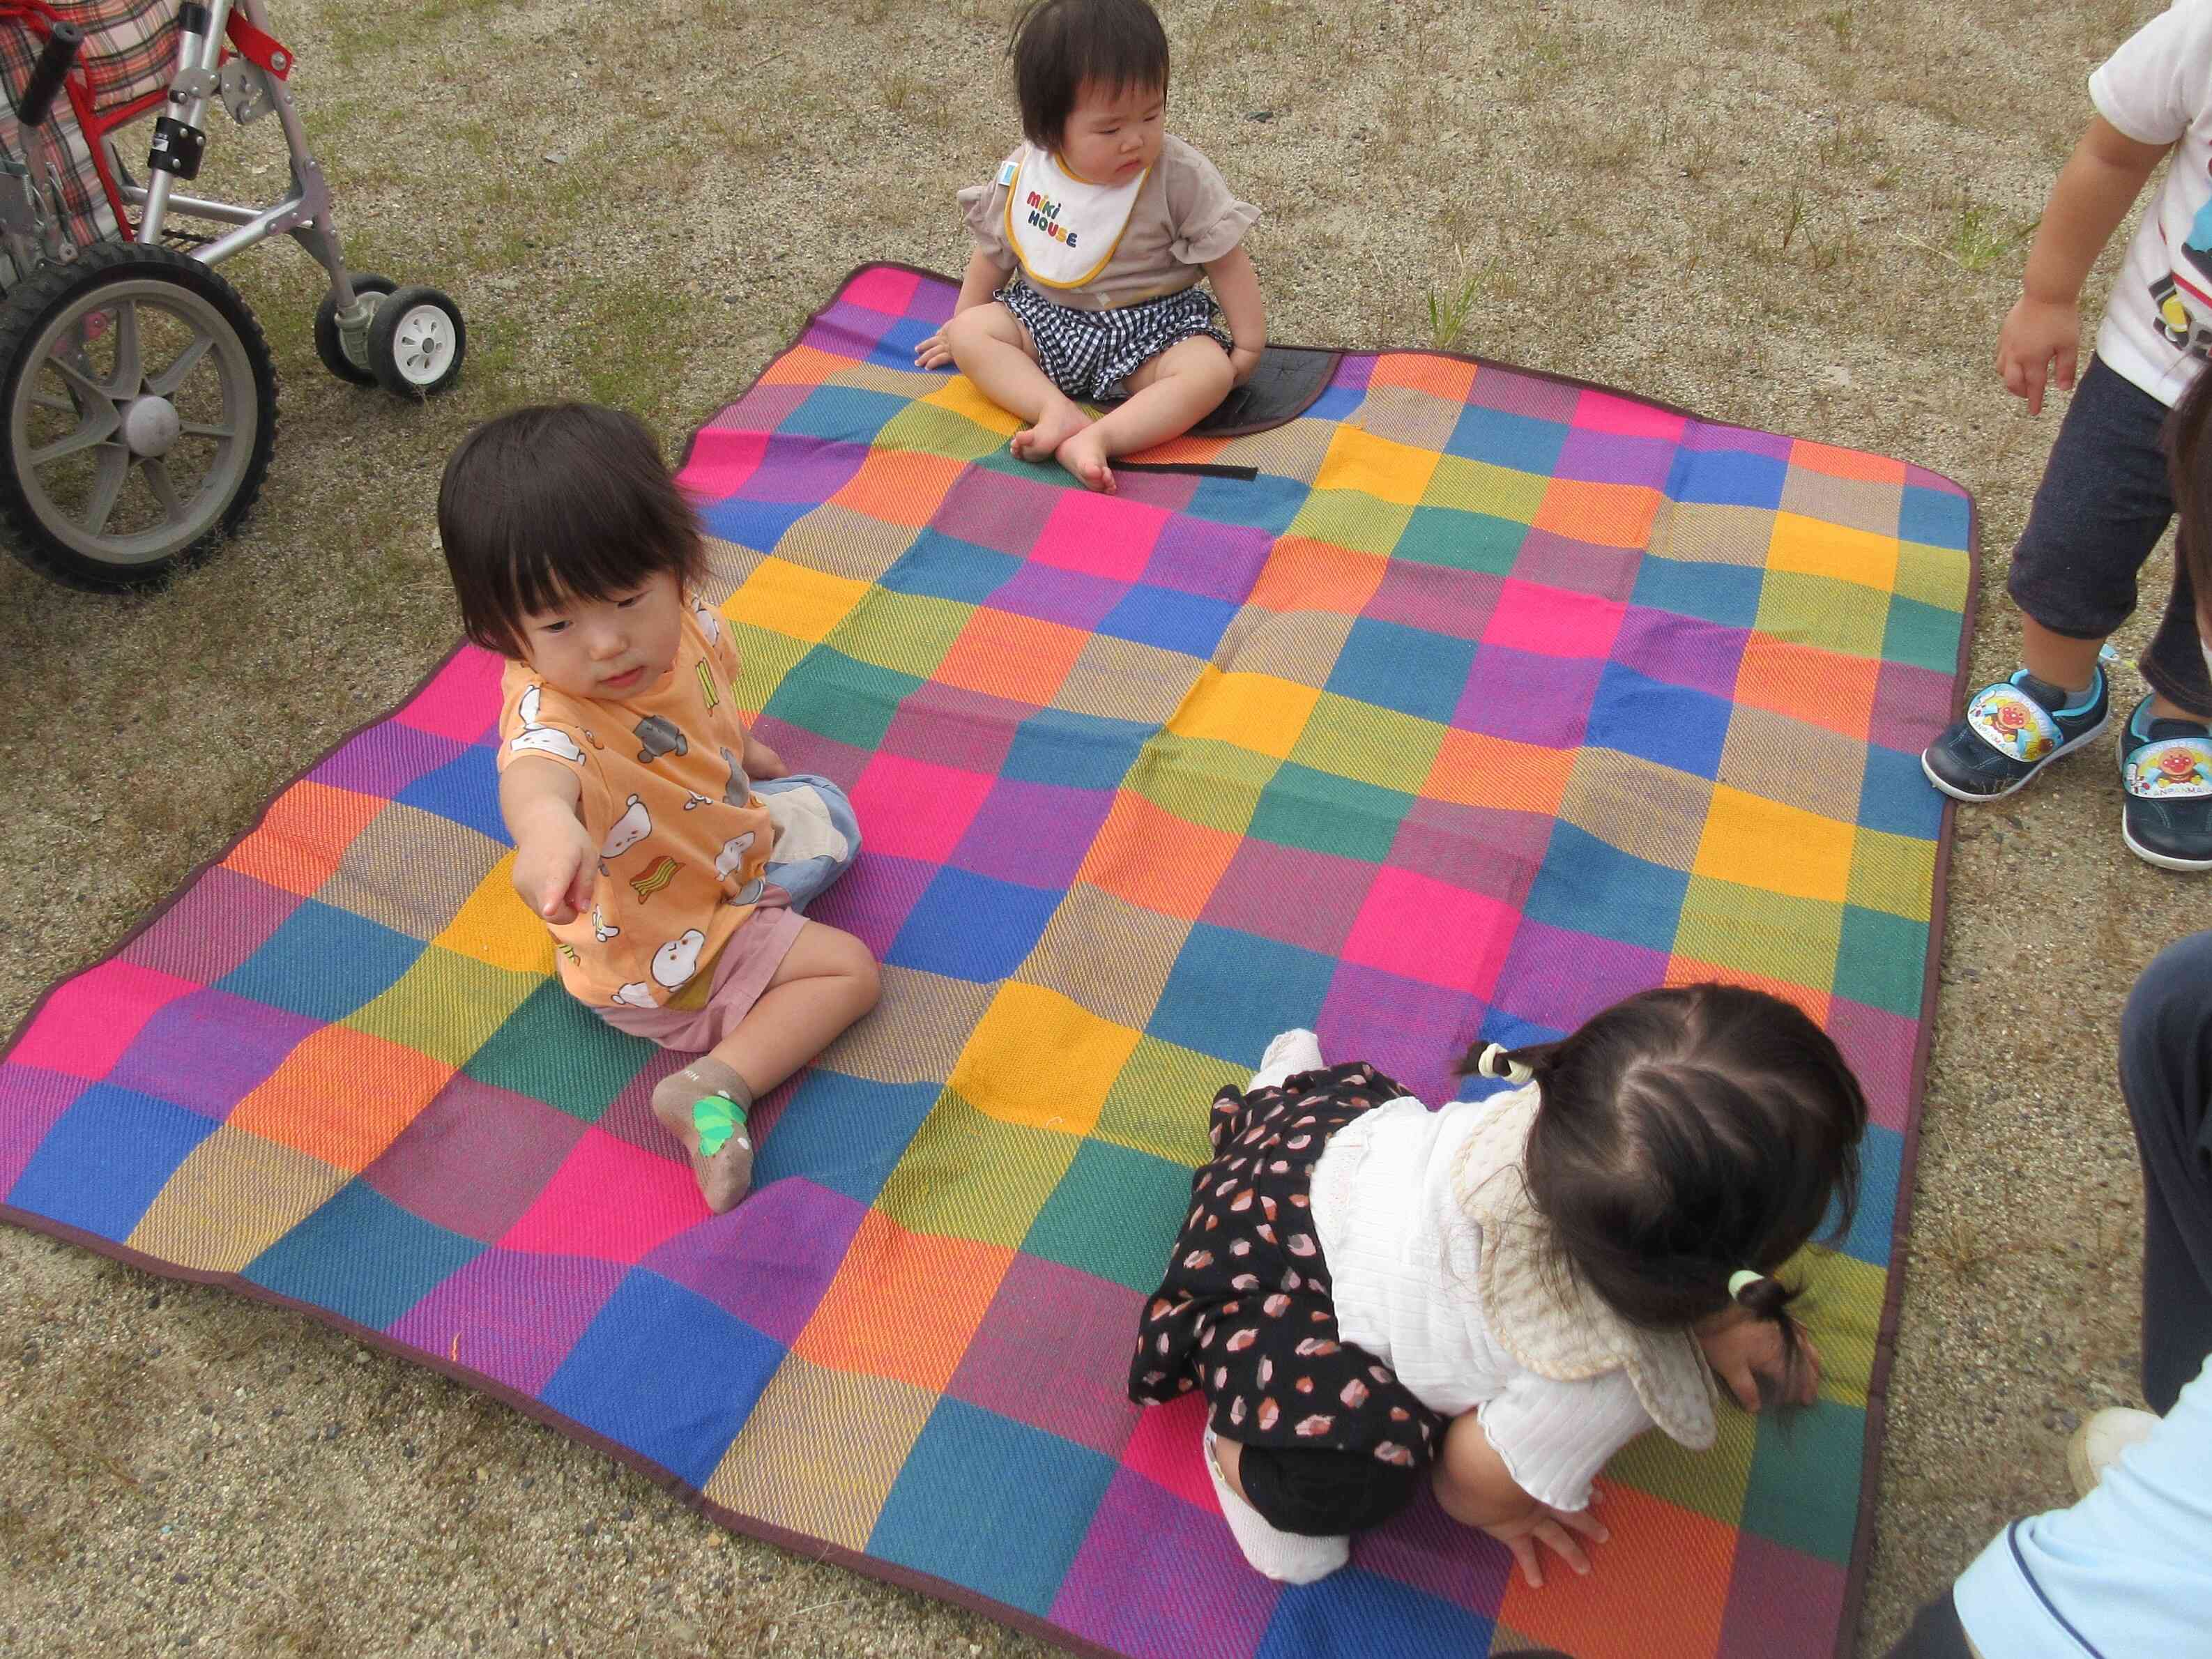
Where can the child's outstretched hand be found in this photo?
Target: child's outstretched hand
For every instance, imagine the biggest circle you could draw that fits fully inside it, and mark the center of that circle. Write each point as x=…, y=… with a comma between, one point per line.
x=1553, y=1528
x=554, y=870
x=1477, y=1490
x=1242, y=362
x=2038, y=337
x=1745, y=1350
x=933, y=353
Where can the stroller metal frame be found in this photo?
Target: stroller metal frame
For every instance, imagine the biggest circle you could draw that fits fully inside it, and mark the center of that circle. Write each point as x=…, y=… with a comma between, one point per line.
x=65, y=297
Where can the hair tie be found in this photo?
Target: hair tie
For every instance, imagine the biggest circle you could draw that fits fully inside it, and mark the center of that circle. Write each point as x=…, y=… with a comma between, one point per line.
x=1495, y=1062
x=1742, y=1281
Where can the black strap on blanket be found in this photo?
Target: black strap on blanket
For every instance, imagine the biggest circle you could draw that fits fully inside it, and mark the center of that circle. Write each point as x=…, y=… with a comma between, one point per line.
x=1194, y=469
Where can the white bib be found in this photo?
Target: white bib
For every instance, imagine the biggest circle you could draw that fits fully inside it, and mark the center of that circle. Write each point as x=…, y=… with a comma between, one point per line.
x=1063, y=228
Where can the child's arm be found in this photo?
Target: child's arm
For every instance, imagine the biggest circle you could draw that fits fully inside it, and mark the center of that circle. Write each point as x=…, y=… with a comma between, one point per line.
x=1476, y=1489
x=555, y=861
x=1236, y=285
x=2095, y=189
x=985, y=277
x=761, y=762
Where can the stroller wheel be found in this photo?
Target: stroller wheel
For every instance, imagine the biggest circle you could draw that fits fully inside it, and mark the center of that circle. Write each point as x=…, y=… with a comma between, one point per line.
x=141, y=409
x=416, y=343
x=330, y=346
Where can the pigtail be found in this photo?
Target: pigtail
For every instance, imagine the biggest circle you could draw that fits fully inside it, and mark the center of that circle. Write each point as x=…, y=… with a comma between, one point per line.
x=1767, y=1297
x=1691, y=1138
x=1496, y=1061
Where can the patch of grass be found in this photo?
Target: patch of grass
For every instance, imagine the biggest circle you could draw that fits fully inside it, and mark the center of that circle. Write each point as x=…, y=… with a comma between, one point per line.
x=297, y=1634
x=439, y=11
x=85, y=1425
x=1452, y=306
x=1588, y=148
x=1793, y=214
x=1964, y=1250
x=1979, y=238
x=898, y=88
x=631, y=340
x=1850, y=142
x=1459, y=219
x=1831, y=253
x=1255, y=22
x=1840, y=24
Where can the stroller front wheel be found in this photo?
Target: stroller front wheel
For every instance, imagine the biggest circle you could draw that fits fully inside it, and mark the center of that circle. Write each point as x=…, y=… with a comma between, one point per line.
x=140, y=405
x=330, y=340
x=417, y=342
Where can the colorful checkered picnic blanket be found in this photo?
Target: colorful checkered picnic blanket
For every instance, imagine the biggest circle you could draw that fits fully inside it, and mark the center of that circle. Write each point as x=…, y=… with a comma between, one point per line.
x=1483, y=699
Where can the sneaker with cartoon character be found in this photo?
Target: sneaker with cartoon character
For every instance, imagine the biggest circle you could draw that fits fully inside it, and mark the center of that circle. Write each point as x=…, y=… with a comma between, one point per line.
x=2165, y=768
x=2010, y=731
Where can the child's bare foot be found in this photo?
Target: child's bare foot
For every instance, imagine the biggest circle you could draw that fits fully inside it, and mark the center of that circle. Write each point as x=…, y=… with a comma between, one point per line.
x=704, y=1106
x=1053, y=428
x=1085, y=455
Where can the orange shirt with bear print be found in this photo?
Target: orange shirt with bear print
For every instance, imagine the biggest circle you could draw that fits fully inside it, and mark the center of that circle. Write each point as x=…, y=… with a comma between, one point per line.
x=662, y=790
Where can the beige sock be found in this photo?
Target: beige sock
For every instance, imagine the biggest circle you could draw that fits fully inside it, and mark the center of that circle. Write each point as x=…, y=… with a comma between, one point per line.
x=705, y=1106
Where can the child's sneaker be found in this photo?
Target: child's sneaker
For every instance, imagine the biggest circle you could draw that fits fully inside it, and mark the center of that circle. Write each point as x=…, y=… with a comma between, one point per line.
x=2012, y=730
x=2166, y=766
x=2097, y=1443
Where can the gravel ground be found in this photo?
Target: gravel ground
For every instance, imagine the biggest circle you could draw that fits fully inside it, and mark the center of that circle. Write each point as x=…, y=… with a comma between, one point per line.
x=1786, y=213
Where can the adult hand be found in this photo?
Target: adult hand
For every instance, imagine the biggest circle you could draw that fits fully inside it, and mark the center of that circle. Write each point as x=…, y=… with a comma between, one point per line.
x=2039, y=336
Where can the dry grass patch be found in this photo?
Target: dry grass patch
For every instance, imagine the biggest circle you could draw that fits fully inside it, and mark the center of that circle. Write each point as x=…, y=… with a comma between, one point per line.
x=1747, y=207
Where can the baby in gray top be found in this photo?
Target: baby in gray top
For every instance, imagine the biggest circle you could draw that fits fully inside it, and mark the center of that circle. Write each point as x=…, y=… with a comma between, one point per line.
x=1091, y=243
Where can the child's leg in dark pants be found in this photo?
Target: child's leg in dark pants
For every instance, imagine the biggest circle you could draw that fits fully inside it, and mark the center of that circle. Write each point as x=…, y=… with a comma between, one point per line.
x=2101, y=507
x=2166, y=1070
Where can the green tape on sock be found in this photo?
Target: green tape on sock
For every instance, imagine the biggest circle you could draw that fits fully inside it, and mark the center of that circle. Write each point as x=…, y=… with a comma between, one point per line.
x=716, y=1117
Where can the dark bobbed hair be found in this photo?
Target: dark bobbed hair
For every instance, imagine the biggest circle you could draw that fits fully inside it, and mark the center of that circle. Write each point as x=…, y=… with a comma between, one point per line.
x=1060, y=46
x=2189, y=464
x=1688, y=1133
x=556, y=503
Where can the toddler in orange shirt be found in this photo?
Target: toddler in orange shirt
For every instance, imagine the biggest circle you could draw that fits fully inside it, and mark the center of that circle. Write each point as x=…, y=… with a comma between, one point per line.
x=667, y=849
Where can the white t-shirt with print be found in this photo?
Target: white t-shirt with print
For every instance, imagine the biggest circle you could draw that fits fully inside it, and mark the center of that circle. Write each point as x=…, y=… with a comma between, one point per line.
x=2157, y=89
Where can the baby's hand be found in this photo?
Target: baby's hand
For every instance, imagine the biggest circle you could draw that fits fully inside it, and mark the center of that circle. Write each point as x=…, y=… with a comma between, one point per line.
x=933, y=353
x=1553, y=1528
x=1743, y=1349
x=554, y=871
x=763, y=761
x=2038, y=335
x=1242, y=362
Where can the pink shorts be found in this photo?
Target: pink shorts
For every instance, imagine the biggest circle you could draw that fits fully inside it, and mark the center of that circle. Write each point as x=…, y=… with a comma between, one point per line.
x=742, y=972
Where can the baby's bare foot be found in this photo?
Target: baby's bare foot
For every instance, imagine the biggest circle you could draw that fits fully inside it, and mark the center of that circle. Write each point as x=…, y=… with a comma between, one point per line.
x=704, y=1106
x=1055, y=428
x=1085, y=455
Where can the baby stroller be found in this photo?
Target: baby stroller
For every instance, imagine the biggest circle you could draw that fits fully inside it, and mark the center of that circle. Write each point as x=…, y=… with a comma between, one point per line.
x=138, y=399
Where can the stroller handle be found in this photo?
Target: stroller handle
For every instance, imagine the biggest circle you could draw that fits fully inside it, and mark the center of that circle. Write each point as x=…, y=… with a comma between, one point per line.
x=53, y=66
